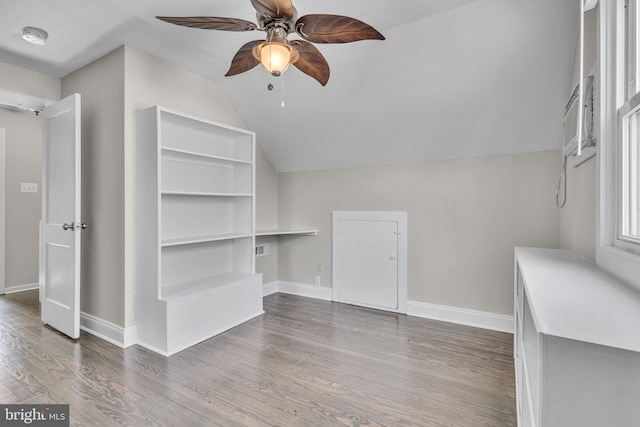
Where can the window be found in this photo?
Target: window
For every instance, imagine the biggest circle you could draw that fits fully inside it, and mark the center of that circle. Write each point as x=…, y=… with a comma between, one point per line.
x=619, y=174
x=630, y=188
x=629, y=119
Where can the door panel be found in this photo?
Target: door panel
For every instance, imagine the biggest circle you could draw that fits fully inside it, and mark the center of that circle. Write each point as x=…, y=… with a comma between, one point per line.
x=60, y=170
x=60, y=265
x=57, y=277
x=367, y=263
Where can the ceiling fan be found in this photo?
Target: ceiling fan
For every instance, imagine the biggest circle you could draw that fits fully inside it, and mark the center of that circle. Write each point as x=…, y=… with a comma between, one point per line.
x=278, y=18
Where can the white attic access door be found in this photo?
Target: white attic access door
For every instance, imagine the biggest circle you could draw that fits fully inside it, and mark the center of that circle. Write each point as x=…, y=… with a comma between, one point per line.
x=369, y=258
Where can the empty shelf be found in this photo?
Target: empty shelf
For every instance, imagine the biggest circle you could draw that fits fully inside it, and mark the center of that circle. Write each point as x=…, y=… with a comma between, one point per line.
x=284, y=232
x=183, y=289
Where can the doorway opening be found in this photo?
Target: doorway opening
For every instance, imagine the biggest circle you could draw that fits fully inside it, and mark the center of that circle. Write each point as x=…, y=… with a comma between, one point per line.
x=20, y=185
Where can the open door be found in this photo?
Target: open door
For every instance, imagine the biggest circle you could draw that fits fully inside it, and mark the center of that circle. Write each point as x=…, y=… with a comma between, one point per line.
x=61, y=223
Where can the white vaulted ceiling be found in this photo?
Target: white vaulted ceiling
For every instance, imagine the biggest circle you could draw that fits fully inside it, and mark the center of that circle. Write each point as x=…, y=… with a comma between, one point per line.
x=453, y=79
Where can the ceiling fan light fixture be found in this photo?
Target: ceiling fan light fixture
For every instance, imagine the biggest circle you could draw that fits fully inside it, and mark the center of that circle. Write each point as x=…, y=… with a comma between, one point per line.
x=35, y=35
x=276, y=53
x=275, y=57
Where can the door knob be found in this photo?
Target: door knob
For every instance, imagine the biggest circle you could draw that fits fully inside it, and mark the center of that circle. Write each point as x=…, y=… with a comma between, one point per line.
x=73, y=226
x=392, y=257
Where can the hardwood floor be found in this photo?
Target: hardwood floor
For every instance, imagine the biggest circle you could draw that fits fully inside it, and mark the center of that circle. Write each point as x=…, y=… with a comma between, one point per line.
x=304, y=362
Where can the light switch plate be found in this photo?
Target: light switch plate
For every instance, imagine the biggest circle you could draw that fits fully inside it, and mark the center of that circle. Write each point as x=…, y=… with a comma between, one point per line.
x=29, y=187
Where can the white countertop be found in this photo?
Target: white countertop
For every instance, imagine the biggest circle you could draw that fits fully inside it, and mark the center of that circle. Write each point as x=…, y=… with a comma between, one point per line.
x=572, y=298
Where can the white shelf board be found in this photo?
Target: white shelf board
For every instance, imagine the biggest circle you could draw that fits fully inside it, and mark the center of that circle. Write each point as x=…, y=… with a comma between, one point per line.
x=183, y=289
x=203, y=239
x=186, y=154
x=180, y=117
x=286, y=232
x=204, y=194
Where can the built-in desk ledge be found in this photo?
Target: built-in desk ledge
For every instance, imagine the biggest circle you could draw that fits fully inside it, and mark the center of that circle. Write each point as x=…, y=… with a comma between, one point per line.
x=283, y=232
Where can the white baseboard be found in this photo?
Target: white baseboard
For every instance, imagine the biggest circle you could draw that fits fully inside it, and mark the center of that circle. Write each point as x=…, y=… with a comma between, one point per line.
x=125, y=337
x=462, y=316
x=117, y=335
x=269, y=288
x=21, y=288
x=122, y=337
x=311, y=291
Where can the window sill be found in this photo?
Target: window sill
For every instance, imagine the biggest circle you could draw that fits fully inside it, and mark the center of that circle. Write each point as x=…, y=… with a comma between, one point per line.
x=620, y=263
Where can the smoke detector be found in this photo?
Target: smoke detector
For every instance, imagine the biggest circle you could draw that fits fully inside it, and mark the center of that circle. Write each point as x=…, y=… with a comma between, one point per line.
x=35, y=35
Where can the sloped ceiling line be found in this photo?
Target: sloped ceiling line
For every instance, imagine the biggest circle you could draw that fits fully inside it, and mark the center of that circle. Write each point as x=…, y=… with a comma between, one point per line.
x=442, y=85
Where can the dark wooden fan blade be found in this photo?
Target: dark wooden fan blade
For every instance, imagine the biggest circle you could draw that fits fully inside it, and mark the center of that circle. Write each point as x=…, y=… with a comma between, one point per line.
x=335, y=29
x=210, y=23
x=243, y=59
x=311, y=61
x=276, y=8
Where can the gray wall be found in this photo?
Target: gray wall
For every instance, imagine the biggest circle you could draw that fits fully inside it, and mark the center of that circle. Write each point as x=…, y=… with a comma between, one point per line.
x=578, y=217
x=23, y=164
x=101, y=86
x=266, y=214
x=465, y=217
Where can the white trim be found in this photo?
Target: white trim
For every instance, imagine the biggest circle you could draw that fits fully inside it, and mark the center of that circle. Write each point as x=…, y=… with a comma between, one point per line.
x=589, y=4
x=154, y=349
x=443, y=313
x=117, y=335
x=3, y=271
x=311, y=291
x=269, y=288
x=21, y=288
x=402, y=256
x=197, y=340
x=19, y=101
x=462, y=316
x=618, y=262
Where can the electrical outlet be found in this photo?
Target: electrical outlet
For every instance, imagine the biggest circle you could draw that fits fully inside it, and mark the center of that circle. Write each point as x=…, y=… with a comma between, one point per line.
x=320, y=266
x=317, y=280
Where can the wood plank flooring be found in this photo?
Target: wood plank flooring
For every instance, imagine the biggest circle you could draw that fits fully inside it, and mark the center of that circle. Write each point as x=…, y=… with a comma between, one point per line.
x=304, y=362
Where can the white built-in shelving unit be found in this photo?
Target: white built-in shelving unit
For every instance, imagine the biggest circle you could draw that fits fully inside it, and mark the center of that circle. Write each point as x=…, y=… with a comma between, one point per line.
x=195, y=229
x=577, y=343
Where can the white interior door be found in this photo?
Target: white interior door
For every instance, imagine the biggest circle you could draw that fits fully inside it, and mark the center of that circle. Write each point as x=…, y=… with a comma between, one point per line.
x=369, y=259
x=61, y=223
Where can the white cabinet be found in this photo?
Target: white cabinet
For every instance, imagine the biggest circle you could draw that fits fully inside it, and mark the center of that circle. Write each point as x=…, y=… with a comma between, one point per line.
x=195, y=229
x=576, y=344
